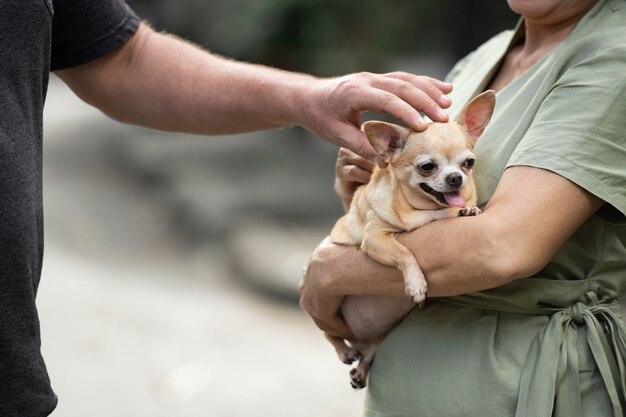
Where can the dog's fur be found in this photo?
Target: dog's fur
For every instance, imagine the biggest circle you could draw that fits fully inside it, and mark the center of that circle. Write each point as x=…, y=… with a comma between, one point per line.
x=428, y=177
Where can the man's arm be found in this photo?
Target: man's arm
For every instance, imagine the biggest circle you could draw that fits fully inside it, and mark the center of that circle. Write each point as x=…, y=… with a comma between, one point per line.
x=532, y=213
x=161, y=82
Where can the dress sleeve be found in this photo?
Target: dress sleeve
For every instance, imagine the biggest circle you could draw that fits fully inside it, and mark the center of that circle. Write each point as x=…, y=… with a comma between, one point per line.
x=83, y=30
x=579, y=131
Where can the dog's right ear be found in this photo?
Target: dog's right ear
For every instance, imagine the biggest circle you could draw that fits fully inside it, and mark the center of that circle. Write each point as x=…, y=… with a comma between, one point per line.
x=386, y=138
x=476, y=114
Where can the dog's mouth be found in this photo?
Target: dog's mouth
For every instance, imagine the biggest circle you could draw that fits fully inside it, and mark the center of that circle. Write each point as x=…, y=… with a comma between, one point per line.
x=446, y=199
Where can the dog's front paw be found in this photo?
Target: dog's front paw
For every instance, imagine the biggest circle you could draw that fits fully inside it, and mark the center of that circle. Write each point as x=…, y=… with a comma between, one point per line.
x=357, y=379
x=469, y=211
x=417, y=291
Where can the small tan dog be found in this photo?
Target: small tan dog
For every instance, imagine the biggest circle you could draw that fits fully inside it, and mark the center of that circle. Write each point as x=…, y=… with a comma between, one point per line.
x=428, y=178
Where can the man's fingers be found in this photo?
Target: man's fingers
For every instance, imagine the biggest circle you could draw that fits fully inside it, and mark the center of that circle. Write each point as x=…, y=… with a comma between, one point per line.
x=422, y=96
x=444, y=87
x=409, y=82
x=341, y=101
x=381, y=101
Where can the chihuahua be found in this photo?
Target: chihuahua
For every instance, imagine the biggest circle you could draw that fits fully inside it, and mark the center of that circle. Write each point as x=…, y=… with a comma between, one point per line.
x=428, y=177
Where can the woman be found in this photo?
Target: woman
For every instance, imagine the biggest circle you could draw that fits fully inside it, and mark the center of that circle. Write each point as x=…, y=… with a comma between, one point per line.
x=523, y=318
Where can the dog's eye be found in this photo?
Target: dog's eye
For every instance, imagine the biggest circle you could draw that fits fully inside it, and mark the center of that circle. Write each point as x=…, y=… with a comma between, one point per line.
x=469, y=163
x=427, y=167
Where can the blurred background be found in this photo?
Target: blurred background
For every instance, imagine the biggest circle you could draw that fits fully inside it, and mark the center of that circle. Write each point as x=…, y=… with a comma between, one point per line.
x=169, y=282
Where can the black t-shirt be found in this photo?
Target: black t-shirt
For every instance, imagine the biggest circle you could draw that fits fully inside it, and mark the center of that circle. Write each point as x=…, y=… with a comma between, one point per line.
x=36, y=36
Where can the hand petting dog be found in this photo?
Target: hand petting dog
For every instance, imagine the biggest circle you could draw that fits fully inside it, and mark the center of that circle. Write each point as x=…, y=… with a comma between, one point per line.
x=332, y=108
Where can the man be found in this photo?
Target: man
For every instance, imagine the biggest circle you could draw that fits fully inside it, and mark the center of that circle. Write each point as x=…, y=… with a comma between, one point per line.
x=114, y=62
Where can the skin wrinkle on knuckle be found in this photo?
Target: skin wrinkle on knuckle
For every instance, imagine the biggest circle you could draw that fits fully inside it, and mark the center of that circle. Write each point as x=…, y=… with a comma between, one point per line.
x=405, y=87
x=431, y=90
x=361, y=148
x=349, y=87
x=365, y=76
x=344, y=173
x=387, y=100
x=430, y=106
x=351, y=172
x=399, y=75
x=354, y=176
x=424, y=99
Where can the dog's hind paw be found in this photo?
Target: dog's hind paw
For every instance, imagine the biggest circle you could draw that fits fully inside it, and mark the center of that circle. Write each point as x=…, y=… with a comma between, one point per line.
x=357, y=379
x=349, y=356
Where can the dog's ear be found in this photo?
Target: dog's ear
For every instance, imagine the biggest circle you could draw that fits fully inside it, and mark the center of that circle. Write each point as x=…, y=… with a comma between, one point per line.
x=477, y=113
x=386, y=138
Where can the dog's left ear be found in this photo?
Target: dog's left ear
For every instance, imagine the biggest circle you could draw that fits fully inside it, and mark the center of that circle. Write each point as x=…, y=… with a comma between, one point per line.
x=386, y=138
x=477, y=113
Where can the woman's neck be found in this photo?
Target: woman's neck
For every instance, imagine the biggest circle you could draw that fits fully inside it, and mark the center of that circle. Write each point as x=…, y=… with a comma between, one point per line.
x=541, y=36
x=545, y=27
x=538, y=41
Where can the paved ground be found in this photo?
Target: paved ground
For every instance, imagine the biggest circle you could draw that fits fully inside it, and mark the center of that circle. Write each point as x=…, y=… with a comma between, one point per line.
x=136, y=322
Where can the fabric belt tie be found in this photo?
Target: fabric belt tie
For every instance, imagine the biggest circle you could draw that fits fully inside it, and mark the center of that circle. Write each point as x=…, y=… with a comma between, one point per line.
x=550, y=383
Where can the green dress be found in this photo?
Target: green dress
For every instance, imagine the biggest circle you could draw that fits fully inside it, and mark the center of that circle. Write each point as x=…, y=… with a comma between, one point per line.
x=553, y=344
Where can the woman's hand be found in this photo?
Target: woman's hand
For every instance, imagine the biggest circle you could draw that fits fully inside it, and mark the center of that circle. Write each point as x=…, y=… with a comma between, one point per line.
x=335, y=271
x=331, y=108
x=318, y=297
x=351, y=171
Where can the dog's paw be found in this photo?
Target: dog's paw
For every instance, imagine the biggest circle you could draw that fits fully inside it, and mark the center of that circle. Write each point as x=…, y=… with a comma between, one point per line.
x=357, y=379
x=469, y=211
x=417, y=292
x=349, y=356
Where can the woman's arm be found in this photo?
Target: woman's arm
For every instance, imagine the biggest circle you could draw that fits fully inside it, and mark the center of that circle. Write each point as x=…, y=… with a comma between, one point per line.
x=531, y=214
x=159, y=81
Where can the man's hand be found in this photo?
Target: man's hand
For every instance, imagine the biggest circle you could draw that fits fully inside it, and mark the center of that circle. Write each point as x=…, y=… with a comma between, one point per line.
x=316, y=294
x=351, y=172
x=332, y=108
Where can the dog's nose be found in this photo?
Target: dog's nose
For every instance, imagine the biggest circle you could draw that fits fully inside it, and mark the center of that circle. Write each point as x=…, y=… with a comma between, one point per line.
x=455, y=180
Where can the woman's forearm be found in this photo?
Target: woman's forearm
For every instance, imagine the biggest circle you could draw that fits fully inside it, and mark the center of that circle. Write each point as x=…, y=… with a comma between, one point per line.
x=532, y=213
x=451, y=253
x=461, y=255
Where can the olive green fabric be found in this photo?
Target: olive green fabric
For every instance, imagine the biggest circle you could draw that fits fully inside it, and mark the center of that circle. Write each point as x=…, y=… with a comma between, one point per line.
x=553, y=344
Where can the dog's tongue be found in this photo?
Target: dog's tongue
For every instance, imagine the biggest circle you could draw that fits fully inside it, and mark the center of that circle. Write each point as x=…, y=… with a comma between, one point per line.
x=454, y=199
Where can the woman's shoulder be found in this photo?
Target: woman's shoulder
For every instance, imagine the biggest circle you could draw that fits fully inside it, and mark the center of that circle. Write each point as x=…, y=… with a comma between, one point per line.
x=601, y=32
x=606, y=48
